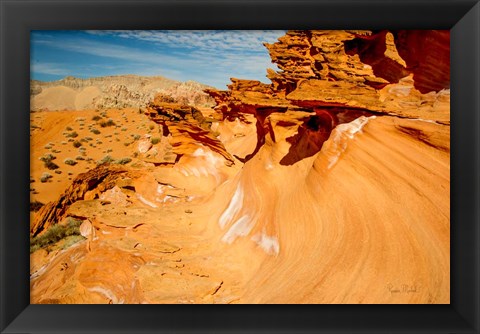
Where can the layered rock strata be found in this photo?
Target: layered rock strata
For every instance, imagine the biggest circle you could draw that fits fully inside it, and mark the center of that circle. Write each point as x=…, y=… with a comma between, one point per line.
x=329, y=185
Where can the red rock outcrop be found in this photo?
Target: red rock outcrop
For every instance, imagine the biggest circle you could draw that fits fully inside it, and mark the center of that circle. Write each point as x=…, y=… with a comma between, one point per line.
x=339, y=76
x=86, y=186
x=188, y=127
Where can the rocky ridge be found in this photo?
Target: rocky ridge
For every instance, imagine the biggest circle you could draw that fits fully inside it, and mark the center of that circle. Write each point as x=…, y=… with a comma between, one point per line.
x=117, y=92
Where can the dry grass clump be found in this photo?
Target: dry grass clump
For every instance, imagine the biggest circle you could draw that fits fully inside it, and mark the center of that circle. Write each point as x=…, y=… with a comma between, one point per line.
x=47, y=159
x=56, y=233
x=155, y=140
x=45, y=177
x=70, y=162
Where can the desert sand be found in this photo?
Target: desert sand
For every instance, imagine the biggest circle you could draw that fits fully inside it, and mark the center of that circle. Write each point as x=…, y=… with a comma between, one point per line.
x=330, y=185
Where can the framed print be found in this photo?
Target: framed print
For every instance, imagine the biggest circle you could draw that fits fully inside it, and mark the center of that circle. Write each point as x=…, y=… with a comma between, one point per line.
x=314, y=165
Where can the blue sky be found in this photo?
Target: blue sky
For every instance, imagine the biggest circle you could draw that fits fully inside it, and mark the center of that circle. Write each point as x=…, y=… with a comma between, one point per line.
x=210, y=57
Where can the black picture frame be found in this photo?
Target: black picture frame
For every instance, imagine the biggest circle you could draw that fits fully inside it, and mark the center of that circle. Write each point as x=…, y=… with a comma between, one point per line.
x=18, y=17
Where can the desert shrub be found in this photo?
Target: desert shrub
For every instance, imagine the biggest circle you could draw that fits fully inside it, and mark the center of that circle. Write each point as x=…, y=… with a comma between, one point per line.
x=35, y=206
x=79, y=157
x=58, y=172
x=45, y=177
x=136, y=137
x=68, y=128
x=72, y=135
x=127, y=143
x=151, y=126
x=155, y=140
x=47, y=147
x=77, y=144
x=47, y=159
x=95, y=131
x=63, y=143
x=124, y=129
x=105, y=159
x=96, y=118
x=104, y=124
x=70, y=162
x=123, y=161
x=56, y=233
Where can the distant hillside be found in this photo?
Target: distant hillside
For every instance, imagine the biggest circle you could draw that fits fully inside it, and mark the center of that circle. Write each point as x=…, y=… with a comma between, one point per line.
x=121, y=91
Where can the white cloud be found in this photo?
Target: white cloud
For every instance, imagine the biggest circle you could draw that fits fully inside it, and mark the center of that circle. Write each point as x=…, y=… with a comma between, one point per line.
x=240, y=40
x=48, y=68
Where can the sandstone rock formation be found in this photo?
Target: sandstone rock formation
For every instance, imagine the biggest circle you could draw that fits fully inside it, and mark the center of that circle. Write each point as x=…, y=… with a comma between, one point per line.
x=329, y=185
x=123, y=91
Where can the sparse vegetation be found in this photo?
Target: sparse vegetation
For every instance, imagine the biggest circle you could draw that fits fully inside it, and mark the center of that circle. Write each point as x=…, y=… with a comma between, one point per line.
x=47, y=159
x=104, y=124
x=72, y=135
x=79, y=157
x=56, y=233
x=77, y=144
x=155, y=140
x=136, y=137
x=96, y=118
x=105, y=159
x=151, y=126
x=70, y=162
x=95, y=131
x=68, y=128
x=45, y=177
x=123, y=161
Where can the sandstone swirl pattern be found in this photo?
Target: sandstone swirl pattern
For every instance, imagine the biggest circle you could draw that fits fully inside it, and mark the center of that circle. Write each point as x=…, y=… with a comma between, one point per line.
x=329, y=185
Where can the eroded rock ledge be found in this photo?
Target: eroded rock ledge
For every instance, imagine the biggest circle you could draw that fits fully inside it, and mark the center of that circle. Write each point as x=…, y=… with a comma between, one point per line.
x=338, y=76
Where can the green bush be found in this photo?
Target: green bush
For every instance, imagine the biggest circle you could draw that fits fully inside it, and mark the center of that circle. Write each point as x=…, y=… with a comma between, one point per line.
x=72, y=135
x=56, y=233
x=104, y=124
x=123, y=161
x=45, y=177
x=155, y=140
x=105, y=159
x=70, y=162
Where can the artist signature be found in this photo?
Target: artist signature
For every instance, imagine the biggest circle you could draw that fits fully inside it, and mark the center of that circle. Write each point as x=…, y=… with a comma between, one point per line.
x=403, y=288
